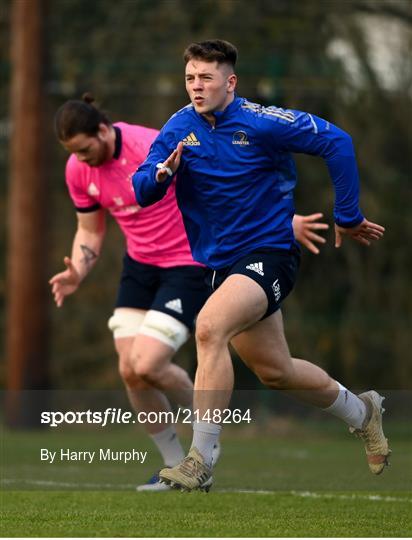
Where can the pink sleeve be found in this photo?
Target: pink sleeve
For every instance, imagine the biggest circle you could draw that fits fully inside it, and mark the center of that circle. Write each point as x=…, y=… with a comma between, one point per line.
x=76, y=183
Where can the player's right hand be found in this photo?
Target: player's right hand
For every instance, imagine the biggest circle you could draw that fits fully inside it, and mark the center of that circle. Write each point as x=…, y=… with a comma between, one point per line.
x=304, y=227
x=64, y=283
x=172, y=163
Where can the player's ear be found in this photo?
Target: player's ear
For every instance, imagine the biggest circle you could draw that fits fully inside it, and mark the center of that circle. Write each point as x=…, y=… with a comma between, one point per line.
x=231, y=82
x=103, y=132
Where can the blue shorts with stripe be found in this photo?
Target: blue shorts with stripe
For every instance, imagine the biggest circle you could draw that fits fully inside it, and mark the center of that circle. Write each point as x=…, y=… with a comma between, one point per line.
x=275, y=270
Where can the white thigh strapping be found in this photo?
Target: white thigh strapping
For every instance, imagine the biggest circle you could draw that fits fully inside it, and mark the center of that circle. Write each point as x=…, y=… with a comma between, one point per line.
x=126, y=322
x=165, y=328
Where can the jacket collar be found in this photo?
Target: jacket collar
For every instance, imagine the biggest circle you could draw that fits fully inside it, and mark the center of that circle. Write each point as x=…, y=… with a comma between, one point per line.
x=226, y=113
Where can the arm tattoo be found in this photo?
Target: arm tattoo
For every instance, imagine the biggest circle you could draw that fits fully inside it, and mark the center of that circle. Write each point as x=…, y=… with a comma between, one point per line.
x=89, y=256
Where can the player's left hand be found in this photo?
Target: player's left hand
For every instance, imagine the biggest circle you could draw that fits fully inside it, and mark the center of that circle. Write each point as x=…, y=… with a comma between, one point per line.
x=364, y=233
x=304, y=227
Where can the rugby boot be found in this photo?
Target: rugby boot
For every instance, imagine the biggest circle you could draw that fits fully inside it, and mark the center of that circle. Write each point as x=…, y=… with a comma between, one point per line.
x=190, y=474
x=376, y=444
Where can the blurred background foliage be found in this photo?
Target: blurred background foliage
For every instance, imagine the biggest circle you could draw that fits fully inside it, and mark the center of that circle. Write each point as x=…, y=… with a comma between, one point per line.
x=348, y=61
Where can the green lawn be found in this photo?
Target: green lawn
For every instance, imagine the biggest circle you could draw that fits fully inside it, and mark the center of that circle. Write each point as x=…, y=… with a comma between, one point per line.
x=109, y=513
x=310, y=481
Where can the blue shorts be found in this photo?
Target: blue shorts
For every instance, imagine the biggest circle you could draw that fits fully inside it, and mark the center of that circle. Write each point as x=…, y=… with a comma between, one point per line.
x=179, y=291
x=275, y=270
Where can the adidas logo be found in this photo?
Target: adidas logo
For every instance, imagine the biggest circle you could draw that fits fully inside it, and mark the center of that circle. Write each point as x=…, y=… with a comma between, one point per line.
x=175, y=305
x=256, y=267
x=191, y=140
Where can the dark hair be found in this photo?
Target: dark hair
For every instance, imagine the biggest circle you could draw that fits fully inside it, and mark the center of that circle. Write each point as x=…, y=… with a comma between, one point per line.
x=212, y=50
x=78, y=116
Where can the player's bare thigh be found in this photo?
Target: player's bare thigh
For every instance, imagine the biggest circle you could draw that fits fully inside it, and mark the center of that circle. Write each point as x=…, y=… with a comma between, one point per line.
x=237, y=304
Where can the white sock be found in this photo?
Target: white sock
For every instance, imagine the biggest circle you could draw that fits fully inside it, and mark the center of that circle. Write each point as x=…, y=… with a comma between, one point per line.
x=169, y=446
x=205, y=437
x=348, y=407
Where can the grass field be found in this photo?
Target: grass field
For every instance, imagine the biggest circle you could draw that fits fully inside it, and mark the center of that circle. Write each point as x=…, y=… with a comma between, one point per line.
x=111, y=513
x=310, y=480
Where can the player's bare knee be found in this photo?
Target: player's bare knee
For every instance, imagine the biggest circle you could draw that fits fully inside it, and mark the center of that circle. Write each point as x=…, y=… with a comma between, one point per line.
x=130, y=378
x=148, y=371
x=274, y=377
x=207, y=332
x=150, y=367
x=203, y=332
x=127, y=372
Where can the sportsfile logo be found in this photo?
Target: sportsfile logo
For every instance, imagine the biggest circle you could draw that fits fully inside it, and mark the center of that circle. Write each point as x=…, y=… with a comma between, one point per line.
x=256, y=267
x=191, y=140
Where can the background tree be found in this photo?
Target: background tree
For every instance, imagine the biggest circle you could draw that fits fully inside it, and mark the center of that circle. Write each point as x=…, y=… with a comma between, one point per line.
x=26, y=336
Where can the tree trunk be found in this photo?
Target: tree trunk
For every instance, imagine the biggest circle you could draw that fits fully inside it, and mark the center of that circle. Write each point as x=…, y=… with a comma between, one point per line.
x=26, y=341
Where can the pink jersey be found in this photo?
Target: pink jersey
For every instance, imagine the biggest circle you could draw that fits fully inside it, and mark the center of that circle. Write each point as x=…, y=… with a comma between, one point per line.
x=154, y=235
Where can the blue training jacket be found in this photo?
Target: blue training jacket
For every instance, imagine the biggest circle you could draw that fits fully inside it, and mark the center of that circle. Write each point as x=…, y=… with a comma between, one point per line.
x=235, y=182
